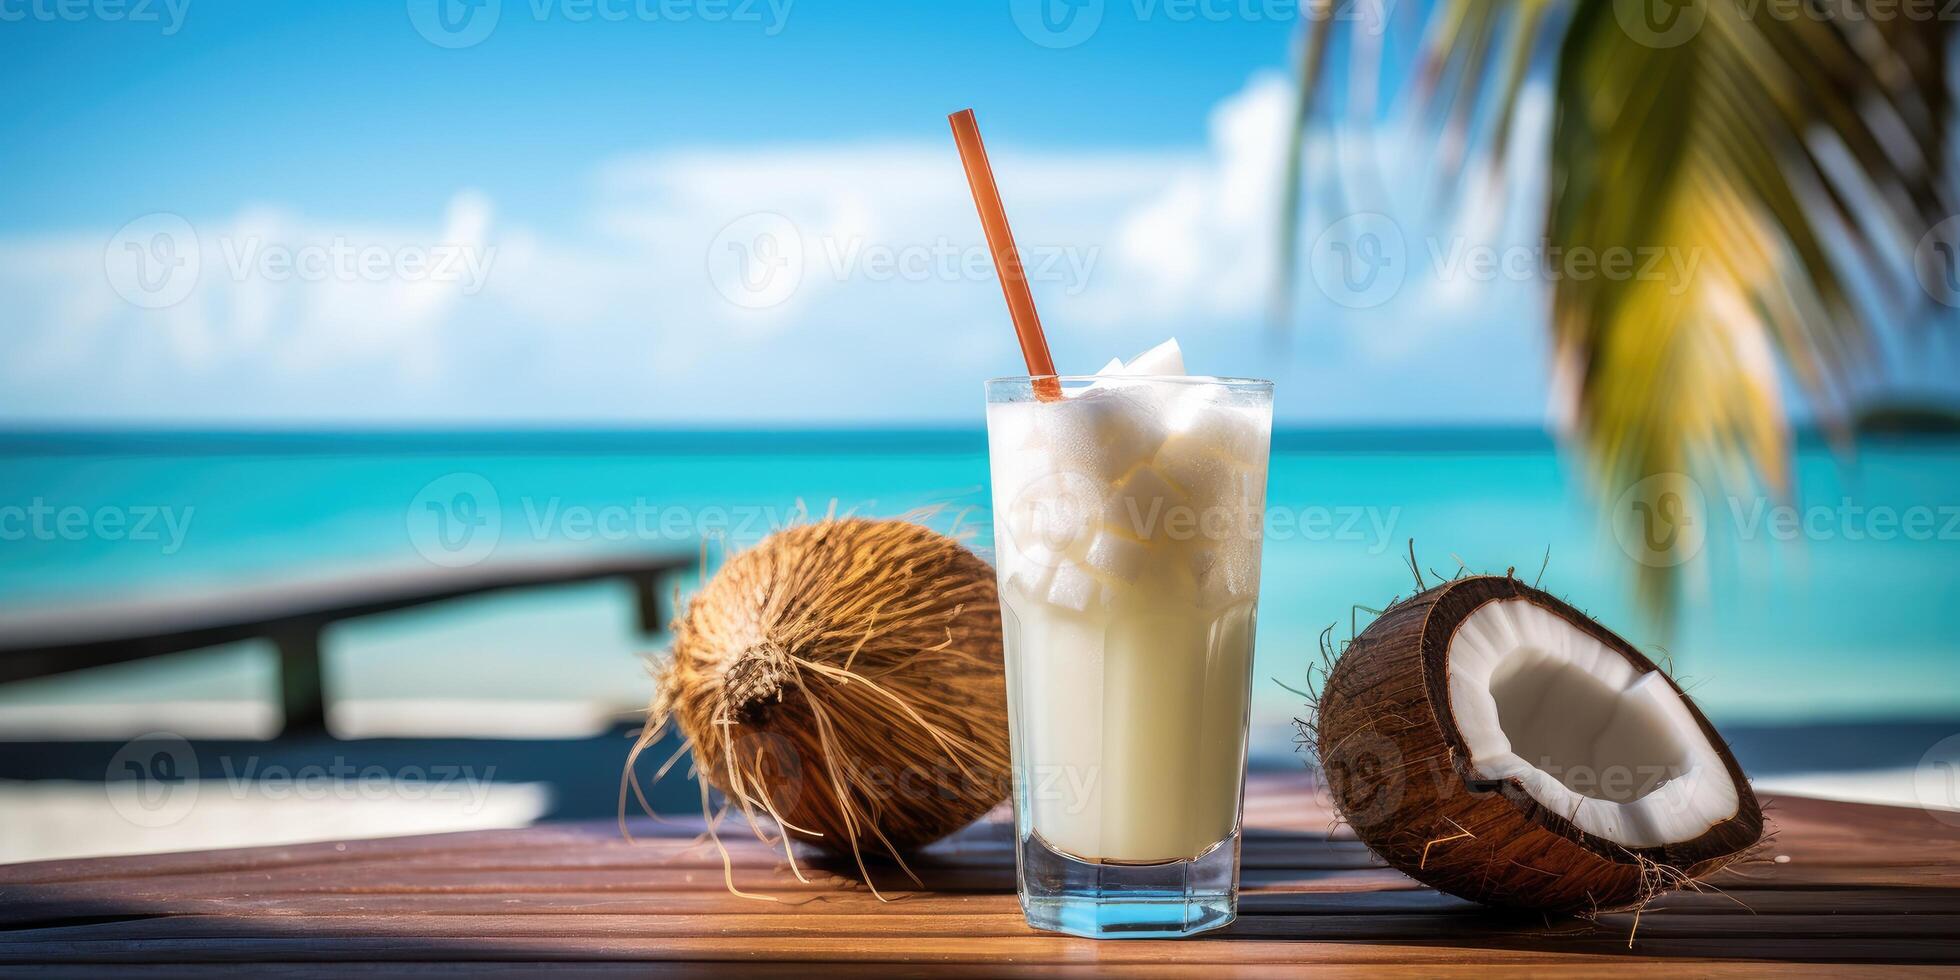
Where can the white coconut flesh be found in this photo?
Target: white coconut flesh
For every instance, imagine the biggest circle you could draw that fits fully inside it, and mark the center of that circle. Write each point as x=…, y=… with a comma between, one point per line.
x=1610, y=748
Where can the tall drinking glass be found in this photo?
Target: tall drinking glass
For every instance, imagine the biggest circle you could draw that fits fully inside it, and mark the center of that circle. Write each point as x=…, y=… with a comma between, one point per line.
x=1128, y=518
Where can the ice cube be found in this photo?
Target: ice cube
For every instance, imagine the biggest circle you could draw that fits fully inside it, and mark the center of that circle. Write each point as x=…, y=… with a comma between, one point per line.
x=1235, y=433
x=1164, y=360
x=1205, y=476
x=1105, y=378
x=1011, y=427
x=1030, y=580
x=1143, y=505
x=1016, y=514
x=1072, y=587
x=1200, y=557
x=1114, y=556
x=1102, y=433
x=1227, y=497
x=1233, y=576
x=1053, y=514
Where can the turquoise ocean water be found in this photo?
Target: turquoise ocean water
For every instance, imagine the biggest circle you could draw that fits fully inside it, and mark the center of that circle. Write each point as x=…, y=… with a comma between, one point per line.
x=1853, y=614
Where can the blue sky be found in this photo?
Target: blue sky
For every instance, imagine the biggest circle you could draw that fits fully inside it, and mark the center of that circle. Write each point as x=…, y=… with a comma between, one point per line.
x=346, y=106
x=552, y=209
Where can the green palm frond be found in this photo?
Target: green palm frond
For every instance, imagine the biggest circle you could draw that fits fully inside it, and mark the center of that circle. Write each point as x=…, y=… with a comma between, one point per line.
x=1781, y=168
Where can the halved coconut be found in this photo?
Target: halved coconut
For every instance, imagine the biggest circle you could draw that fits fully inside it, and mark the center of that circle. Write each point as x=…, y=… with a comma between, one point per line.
x=1490, y=740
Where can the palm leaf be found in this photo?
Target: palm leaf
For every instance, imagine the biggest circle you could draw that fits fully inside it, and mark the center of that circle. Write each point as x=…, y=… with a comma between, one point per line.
x=1791, y=163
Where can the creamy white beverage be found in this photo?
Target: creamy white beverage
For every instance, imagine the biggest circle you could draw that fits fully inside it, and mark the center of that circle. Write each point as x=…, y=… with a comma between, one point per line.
x=1128, y=518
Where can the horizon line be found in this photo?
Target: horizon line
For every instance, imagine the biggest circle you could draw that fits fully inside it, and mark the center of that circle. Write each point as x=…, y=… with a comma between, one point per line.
x=741, y=439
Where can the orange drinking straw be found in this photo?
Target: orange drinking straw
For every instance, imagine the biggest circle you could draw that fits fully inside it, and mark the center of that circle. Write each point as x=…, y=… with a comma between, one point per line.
x=1007, y=258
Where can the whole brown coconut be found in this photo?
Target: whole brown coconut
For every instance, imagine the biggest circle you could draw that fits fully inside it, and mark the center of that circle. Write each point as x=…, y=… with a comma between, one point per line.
x=845, y=678
x=1491, y=741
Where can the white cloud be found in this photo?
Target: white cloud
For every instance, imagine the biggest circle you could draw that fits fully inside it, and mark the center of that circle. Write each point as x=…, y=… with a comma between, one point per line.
x=627, y=313
x=1203, y=246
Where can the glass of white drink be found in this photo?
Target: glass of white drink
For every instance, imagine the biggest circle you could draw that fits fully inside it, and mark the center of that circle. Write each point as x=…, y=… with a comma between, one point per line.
x=1128, y=515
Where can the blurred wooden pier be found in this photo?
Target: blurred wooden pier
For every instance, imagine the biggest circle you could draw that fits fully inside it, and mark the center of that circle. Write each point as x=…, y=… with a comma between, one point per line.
x=293, y=614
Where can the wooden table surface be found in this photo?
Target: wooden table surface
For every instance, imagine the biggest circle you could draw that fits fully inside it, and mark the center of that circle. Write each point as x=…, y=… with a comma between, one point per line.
x=1854, y=884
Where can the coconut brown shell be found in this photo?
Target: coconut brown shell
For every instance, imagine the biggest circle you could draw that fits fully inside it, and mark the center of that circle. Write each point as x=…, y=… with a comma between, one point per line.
x=845, y=677
x=1400, y=774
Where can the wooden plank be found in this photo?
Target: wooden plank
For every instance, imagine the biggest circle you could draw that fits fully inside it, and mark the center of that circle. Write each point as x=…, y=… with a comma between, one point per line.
x=973, y=950
x=1835, y=838
x=803, y=971
x=1283, y=810
x=1862, y=885
x=1899, y=902
x=1003, y=919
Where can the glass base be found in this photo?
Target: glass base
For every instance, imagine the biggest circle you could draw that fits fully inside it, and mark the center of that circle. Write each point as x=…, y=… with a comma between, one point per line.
x=1128, y=901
